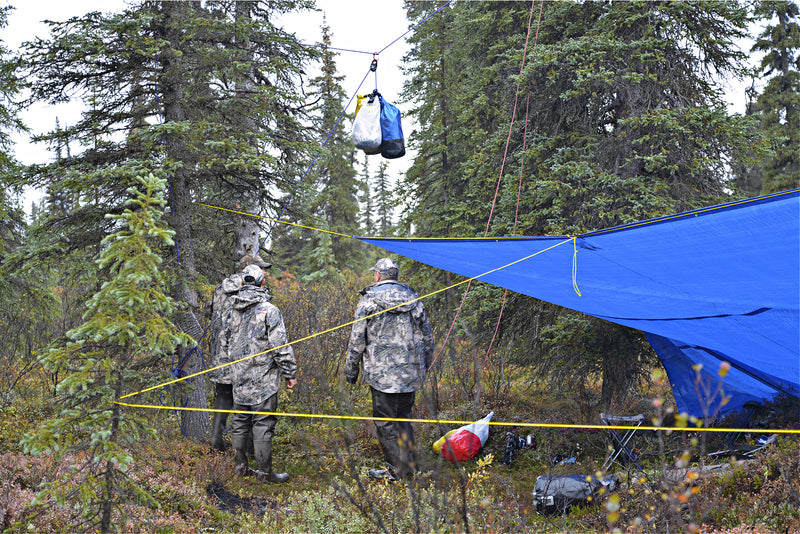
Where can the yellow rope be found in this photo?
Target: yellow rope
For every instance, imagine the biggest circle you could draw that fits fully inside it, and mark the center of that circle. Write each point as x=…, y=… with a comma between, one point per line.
x=593, y=233
x=575, y=266
x=341, y=325
x=500, y=238
x=462, y=423
x=271, y=219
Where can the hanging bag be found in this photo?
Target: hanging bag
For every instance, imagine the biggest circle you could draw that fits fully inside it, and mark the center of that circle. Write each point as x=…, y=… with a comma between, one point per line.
x=367, y=123
x=392, y=143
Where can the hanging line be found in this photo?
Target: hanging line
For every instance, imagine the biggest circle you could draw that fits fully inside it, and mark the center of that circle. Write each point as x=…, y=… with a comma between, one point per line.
x=521, y=167
x=373, y=67
x=308, y=169
x=514, y=230
x=344, y=49
x=313, y=162
x=414, y=27
x=499, y=181
x=350, y=323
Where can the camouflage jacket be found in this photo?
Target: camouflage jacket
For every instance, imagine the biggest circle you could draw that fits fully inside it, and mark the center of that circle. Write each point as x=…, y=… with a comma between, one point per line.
x=253, y=327
x=218, y=344
x=395, y=348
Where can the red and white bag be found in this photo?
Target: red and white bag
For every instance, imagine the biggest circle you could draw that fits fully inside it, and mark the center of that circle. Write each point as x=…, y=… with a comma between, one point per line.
x=464, y=443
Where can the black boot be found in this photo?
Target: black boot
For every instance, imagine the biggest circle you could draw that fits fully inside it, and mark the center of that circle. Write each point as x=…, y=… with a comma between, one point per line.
x=240, y=458
x=224, y=401
x=263, y=451
x=251, y=451
x=216, y=433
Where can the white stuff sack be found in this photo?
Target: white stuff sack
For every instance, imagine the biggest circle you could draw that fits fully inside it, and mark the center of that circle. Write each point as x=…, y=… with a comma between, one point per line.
x=367, y=124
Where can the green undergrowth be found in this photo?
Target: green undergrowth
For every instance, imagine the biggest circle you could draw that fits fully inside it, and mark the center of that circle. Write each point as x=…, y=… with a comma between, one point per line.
x=329, y=490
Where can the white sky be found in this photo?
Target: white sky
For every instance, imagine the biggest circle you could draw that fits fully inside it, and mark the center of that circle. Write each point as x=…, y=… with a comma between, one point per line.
x=363, y=25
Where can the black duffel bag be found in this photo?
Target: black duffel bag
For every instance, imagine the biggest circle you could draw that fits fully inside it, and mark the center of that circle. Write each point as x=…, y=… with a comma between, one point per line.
x=555, y=494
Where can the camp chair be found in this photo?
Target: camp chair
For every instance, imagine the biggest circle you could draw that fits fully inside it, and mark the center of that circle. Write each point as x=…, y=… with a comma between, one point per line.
x=730, y=448
x=749, y=409
x=620, y=440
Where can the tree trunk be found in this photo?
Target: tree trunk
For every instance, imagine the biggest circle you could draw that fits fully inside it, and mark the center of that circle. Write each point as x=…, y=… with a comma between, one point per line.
x=246, y=240
x=195, y=424
x=107, y=505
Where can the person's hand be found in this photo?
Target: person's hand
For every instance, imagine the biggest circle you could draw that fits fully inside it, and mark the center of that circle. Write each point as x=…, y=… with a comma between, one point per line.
x=291, y=383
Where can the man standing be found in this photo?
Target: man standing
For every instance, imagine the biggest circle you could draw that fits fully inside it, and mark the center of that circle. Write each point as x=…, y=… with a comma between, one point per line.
x=256, y=326
x=218, y=347
x=392, y=339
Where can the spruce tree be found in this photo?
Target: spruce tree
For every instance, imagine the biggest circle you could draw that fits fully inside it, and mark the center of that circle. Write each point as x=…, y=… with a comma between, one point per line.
x=385, y=202
x=330, y=198
x=779, y=102
x=204, y=95
x=365, y=200
x=119, y=349
x=11, y=218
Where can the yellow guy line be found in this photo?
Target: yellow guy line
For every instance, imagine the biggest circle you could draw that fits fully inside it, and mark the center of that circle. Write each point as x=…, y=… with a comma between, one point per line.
x=462, y=423
x=340, y=326
x=271, y=219
x=488, y=238
x=575, y=265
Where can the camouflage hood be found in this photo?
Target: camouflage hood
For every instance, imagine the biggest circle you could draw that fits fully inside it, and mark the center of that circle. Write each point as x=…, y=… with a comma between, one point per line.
x=232, y=284
x=250, y=296
x=390, y=293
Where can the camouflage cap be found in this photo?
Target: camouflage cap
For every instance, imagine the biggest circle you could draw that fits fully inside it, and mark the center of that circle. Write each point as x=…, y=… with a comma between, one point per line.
x=253, y=259
x=253, y=275
x=386, y=267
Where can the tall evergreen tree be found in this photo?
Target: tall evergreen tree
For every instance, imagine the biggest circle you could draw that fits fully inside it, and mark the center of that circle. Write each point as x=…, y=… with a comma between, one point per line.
x=384, y=201
x=11, y=219
x=626, y=124
x=204, y=95
x=118, y=349
x=330, y=200
x=779, y=102
x=367, y=220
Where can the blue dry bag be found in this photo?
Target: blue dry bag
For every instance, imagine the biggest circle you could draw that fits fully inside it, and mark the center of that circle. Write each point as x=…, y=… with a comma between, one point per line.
x=392, y=143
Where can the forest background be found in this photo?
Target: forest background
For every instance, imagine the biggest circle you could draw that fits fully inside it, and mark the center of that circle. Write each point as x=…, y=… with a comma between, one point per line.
x=529, y=119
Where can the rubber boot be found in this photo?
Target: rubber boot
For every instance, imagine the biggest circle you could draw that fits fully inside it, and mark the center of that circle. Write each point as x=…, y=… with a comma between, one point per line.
x=216, y=433
x=251, y=451
x=264, y=458
x=224, y=401
x=240, y=458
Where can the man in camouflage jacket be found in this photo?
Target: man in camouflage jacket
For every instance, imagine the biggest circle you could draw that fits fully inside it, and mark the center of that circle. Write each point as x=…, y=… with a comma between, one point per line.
x=218, y=348
x=254, y=327
x=393, y=342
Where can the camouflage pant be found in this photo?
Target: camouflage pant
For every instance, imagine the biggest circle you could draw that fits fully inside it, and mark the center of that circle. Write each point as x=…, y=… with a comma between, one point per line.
x=263, y=425
x=396, y=437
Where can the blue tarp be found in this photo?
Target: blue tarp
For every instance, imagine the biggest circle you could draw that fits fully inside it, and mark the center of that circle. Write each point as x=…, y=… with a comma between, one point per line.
x=709, y=285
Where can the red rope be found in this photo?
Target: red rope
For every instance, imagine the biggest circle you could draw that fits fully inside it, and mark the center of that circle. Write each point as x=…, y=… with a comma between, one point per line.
x=499, y=181
x=521, y=166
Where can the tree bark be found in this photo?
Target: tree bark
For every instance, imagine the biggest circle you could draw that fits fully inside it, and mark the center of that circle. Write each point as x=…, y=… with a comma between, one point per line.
x=195, y=424
x=246, y=240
